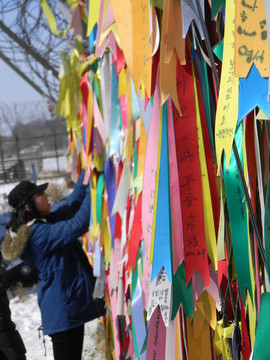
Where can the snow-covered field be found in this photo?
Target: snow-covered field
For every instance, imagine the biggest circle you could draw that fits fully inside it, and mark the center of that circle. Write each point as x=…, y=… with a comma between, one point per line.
x=50, y=164
x=26, y=315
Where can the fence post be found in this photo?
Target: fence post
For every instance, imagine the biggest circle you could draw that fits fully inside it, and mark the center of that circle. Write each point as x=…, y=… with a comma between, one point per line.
x=2, y=160
x=18, y=157
x=56, y=153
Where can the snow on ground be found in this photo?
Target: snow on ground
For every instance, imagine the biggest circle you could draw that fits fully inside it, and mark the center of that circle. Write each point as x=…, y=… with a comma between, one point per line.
x=50, y=164
x=26, y=315
x=25, y=312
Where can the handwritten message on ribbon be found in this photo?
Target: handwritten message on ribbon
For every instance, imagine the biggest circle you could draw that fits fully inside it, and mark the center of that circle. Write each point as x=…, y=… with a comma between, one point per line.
x=150, y=167
x=160, y=294
x=156, y=337
x=207, y=201
x=227, y=108
x=142, y=48
x=189, y=173
x=251, y=45
x=176, y=215
x=198, y=343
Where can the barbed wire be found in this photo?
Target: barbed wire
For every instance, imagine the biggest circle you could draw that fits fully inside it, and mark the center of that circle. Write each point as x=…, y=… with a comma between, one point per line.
x=26, y=20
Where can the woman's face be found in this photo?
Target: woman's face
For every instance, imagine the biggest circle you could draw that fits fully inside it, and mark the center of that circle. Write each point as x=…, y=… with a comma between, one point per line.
x=42, y=204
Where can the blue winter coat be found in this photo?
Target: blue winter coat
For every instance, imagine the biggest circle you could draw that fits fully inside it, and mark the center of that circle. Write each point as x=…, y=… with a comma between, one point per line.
x=64, y=292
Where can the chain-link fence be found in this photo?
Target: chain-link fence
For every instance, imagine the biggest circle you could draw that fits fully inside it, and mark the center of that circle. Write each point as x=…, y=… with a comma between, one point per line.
x=33, y=145
x=29, y=158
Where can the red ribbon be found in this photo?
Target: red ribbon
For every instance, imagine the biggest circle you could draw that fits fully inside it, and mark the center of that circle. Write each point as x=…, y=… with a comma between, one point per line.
x=245, y=338
x=189, y=173
x=84, y=88
x=209, y=160
x=118, y=220
x=120, y=62
x=136, y=234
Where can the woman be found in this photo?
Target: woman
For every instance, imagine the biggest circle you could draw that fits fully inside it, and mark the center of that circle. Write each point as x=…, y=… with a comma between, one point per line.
x=48, y=240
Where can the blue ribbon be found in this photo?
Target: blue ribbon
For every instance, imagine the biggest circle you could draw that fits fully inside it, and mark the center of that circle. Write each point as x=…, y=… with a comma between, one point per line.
x=138, y=322
x=162, y=246
x=111, y=190
x=92, y=38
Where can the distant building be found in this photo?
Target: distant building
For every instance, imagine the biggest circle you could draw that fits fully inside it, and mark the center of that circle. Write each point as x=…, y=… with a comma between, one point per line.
x=32, y=156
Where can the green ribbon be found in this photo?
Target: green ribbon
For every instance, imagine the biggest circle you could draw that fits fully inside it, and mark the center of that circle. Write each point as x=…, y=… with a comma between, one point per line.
x=261, y=347
x=181, y=293
x=238, y=217
x=218, y=50
x=157, y=3
x=216, y=6
x=267, y=227
x=100, y=187
x=207, y=108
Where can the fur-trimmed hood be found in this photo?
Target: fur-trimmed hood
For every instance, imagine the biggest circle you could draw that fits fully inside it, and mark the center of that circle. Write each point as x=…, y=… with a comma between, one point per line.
x=14, y=243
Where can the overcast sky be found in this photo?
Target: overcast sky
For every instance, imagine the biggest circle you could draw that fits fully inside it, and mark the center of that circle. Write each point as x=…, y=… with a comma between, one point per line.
x=13, y=89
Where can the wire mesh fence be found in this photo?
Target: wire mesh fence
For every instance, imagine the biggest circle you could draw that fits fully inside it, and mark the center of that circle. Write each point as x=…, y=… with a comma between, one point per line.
x=33, y=142
x=34, y=161
x=28, y=46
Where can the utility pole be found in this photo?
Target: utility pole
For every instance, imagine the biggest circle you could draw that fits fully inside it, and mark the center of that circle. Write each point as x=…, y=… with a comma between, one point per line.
x=15, y=135
x=17, y=145
x=55, y=145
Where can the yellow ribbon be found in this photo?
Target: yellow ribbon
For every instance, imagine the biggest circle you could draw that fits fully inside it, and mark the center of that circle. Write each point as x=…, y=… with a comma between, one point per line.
x=227, y=108
x=51, y=20
x=210, y=233
x=221, y=336
x=92, y=15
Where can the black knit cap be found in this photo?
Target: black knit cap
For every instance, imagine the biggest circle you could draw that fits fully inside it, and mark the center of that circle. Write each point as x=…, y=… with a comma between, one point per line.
x=23, y=192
